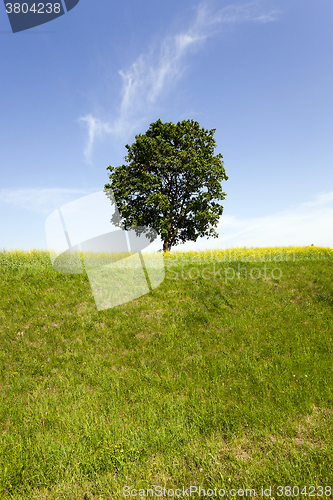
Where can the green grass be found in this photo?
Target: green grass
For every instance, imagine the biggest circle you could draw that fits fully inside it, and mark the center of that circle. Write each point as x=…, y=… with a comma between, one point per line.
x=211, y=382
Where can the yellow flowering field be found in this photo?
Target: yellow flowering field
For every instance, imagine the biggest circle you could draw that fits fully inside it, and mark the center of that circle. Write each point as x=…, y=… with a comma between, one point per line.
x=251, y=254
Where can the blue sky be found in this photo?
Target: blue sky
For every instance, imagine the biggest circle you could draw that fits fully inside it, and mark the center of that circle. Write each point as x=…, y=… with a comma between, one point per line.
x=260, y=72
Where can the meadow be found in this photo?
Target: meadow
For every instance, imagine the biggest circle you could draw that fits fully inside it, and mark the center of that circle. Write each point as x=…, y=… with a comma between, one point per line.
x=221, y=377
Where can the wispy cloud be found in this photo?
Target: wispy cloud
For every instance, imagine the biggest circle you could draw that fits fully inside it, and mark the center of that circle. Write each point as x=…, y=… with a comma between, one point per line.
x=95, y=129
x=155, y=73
x=320, y=200
x=252, y=11
x=306, y=224
x=43, y=201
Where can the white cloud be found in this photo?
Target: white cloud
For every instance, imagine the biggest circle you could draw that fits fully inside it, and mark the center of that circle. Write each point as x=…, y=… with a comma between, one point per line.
x=152, y=74
x=320, y=200
x=43, y=201
x=252, y=11
x=95, y=129
x=309, y=223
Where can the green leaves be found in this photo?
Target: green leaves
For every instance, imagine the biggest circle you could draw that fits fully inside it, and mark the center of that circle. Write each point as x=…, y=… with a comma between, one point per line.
x=162, y=185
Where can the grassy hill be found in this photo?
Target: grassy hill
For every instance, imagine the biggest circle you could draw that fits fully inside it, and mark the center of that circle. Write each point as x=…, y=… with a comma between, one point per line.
x=219, y=378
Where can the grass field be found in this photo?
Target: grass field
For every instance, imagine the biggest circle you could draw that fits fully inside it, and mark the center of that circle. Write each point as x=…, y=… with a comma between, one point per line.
x=221, y=377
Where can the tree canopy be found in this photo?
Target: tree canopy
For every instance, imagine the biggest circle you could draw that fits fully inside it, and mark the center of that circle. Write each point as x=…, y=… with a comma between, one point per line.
x=171, y=183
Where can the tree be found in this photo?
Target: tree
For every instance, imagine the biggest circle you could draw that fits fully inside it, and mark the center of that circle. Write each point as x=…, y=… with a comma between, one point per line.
x=162, y=186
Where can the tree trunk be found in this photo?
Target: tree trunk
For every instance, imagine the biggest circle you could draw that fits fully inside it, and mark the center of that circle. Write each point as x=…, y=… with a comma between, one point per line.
x=166, y=247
